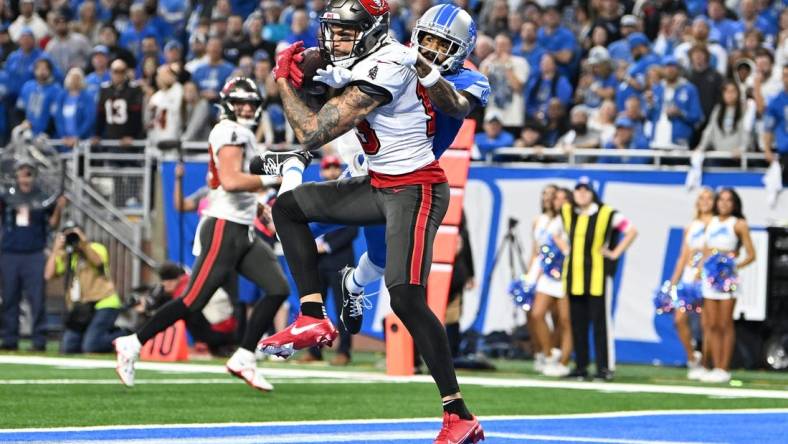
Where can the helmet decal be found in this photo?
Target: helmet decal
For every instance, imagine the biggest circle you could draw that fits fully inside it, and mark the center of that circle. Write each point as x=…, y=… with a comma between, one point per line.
x=375, y=7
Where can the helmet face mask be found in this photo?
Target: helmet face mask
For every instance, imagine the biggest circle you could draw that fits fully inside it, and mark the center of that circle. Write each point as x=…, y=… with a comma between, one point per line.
x=352, y=29
x=449, y=24
x=438, y=50
x=237, y=92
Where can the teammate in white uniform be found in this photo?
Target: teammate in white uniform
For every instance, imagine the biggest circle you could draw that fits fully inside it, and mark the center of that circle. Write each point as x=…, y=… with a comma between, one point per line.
x=688, y=272
x=227, y=240
x=726, y=233
x=406, y=188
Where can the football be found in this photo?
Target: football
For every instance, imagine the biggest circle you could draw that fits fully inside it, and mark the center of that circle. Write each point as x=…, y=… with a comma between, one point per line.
x=309, y=65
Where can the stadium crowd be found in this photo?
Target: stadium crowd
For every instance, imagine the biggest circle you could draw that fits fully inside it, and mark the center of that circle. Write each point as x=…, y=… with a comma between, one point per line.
x=660, y=74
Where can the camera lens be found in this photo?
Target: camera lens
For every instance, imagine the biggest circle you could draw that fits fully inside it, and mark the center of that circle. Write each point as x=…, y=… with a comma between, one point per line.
x=72, y=238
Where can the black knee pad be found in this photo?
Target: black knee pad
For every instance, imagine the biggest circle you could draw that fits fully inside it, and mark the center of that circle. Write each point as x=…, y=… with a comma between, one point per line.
x=407, y=298
x=287, y=208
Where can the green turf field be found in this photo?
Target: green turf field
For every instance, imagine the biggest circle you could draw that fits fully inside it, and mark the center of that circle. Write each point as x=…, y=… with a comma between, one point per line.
x=30, y=396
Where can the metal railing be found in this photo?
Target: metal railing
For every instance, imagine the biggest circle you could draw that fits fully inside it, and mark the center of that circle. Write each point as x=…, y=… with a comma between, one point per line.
x=121, y=230
x=658, y=157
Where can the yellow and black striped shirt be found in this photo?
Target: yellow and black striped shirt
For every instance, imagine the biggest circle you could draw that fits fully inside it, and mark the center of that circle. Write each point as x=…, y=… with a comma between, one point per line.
x=585, y=268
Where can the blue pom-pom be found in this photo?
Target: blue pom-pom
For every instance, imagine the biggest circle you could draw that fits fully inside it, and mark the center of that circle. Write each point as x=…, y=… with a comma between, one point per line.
x=719, y=273
x=522, y=293
x=552, y=259
x=665, y=298
x=690, y=296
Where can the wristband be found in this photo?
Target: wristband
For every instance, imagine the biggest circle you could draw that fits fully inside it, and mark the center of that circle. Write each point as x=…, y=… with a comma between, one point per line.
x=269, y=180
x=430, y=79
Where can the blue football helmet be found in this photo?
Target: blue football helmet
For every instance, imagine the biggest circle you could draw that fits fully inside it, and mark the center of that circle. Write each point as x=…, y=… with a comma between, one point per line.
x=452, y=24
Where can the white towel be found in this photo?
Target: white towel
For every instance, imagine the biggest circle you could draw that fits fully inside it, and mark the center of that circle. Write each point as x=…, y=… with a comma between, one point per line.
x=773, y=181
x=695, y=173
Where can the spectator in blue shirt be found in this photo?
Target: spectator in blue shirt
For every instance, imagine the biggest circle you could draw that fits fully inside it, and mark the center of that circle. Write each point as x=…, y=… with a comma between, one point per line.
x=274, y=30
x=626, y=138
x=100, y=63
x=750, y=20
x=210, y=76
x=75, y=115
x=529, y=47
x=19, y=65
x=559, y=41
x=138, y=28
x=674, y=108
x=775, y=137
x=300, y=29
x=619, y=50
x=493, y=137
x=4, y=82
x=39, y=97
x=728, y=30
x=598, y=82
x=634, y=83
x=547, y=85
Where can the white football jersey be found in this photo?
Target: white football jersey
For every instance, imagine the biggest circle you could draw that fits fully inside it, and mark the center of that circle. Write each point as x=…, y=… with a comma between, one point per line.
x=237, y=206
x=396, y=136
x=164, y=112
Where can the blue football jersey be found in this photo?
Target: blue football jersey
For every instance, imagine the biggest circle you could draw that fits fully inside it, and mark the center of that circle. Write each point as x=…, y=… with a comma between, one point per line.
x=447, y=127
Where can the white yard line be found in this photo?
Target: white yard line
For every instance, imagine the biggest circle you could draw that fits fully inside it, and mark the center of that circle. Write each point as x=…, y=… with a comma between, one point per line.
x=172, y=381
x=328, y=422
x=387, y=436
x=379, y=377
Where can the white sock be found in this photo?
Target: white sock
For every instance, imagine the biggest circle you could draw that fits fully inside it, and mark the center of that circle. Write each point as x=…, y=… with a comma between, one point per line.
x=292, y=174
x=245, y=354
x=365, y=273
x=136, y=342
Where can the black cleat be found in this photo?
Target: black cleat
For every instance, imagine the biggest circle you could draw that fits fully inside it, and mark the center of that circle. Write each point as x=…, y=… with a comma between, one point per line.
x=353, y=305
x=271, y=163
x=604, y=375
x=577, y=375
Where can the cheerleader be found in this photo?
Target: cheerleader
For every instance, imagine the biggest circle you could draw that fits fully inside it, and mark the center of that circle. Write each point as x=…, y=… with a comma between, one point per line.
x=539, y=229
x=545, y=272
x=726, y=233
x=687, y=273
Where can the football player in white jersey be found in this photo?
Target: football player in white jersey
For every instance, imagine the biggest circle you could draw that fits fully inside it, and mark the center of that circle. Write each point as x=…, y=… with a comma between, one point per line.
x=406, y=189
x=227, y=240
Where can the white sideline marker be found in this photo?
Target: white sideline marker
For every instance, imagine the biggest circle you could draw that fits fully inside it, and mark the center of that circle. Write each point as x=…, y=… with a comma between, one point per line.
x=290, y=373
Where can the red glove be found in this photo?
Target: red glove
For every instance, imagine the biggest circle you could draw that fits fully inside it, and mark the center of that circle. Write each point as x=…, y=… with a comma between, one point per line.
x=287, y=64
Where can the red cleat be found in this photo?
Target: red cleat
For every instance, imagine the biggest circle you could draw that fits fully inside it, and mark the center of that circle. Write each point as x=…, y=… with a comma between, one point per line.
x=459, y=431
x=305, y=332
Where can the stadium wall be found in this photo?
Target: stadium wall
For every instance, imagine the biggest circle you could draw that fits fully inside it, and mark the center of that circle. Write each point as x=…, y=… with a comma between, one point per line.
x=656, y=202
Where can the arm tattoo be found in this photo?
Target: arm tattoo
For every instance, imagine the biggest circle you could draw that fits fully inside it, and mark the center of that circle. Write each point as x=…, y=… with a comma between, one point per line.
x=447, y=99
x=336, y=117
x=443, y=94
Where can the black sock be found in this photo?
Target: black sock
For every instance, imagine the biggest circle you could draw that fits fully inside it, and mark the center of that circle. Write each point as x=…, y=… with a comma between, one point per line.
x=409, y=302
x=313, y=309
x=261, y=319
x=457, y=406
x=164, y=317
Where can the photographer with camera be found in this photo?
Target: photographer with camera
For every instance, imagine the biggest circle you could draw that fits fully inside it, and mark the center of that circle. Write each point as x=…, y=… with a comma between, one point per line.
x=26, y=213
x=91, y=300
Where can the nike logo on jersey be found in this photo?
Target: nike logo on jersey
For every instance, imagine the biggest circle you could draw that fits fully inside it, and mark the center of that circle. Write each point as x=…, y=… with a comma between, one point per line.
x=397, y=190
x=298, y=330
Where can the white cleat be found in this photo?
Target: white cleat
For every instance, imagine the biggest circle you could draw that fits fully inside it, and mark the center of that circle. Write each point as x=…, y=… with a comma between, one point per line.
x=556, y=370
x=243, y=365
x=697, y=374
x=717, y=376
x=127, y=350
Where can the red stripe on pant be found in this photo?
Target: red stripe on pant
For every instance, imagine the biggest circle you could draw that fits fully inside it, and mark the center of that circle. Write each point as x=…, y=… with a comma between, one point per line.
x=419, y=235
x=207, y=264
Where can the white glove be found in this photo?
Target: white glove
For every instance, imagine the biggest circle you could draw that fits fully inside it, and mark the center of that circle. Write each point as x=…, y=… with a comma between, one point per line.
x=333, y=76
x=410, y=56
